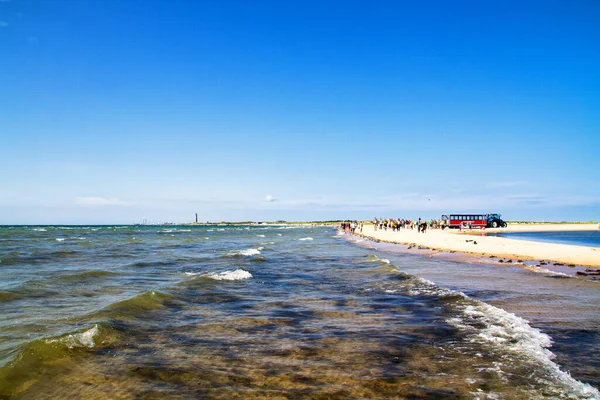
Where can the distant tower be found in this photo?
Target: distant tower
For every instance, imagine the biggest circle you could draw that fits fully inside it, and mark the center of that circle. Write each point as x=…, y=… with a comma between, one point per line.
x=196, y=217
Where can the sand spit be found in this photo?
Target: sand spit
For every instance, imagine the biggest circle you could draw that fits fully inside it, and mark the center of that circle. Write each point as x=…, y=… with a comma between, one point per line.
x=477, y=242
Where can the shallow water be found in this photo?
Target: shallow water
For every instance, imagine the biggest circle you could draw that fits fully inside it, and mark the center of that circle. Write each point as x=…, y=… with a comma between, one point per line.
x=280, y=312
x=579, y=238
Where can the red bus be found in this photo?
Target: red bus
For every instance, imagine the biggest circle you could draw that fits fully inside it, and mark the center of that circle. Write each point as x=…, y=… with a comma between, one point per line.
x=466, y=220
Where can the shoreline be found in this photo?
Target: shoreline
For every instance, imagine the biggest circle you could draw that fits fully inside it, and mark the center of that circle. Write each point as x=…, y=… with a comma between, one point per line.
x=478, y=243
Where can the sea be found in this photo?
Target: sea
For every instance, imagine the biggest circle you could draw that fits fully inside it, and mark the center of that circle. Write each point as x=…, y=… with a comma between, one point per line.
x=282, y=312
x=580, y=238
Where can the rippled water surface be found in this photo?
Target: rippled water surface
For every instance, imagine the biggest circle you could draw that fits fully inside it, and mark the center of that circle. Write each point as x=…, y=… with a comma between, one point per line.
x=182, y=312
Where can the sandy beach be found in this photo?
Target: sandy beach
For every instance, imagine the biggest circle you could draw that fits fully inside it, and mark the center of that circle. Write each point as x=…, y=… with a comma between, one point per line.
x=478, y=242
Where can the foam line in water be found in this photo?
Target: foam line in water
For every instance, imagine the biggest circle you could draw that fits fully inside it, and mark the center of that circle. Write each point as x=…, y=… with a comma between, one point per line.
x=306, y=238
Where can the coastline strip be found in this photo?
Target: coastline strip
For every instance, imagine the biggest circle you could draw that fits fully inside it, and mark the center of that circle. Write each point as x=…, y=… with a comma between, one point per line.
x=477, y=242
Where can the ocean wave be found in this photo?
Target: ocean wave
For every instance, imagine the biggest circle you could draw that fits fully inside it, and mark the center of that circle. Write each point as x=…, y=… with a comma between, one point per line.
x=374, y=258
x=42, y=354
x=246, y=252
x=237, y=275
x=505, y=333
x=306, y=238
x=84, y=276
x=137, y=306
x=81, y=339
x=153, y=263
x=512, y=335
x=174, y=230
x=7, y=295
x=547, y=272
x=39, y=229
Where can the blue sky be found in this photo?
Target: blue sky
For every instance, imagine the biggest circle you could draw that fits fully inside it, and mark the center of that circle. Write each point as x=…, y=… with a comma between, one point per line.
x=119, y=111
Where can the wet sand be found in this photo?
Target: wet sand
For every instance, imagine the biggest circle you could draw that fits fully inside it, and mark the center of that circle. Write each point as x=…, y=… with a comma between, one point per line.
x=478, y=242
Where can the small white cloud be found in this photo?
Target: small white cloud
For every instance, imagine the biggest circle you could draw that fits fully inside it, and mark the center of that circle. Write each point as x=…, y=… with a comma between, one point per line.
x=99, y=202
x=269, y=198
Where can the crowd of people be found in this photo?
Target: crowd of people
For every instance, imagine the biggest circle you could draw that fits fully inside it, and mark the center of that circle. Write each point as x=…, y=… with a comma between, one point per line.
x=351, y=227
x=394, y=224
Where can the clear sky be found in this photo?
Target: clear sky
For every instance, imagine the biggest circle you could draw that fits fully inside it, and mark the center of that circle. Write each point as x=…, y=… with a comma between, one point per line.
x=116, y=111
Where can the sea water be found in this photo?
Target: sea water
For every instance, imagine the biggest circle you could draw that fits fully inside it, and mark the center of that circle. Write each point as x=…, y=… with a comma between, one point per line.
x=579, y=238
x=176, y=312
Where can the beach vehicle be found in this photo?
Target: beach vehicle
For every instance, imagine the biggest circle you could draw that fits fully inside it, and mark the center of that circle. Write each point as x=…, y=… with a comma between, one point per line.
x=474, y=221
x=495, y=221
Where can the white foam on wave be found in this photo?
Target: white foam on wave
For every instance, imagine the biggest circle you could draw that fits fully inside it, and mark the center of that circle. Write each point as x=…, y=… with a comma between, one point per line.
x=545, y=271
x=377, y=259
x=306, y=238
x=514, y=335
x=237, y=275
x=39, y=229
x=60, y=239
x=246, y=252
x=260, y=236
x=82, y=339
x=424, y=287
x=493, y=326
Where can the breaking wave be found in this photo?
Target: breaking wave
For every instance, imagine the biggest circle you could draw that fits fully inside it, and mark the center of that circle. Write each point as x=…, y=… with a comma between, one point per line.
x=237, y=275
x=246, y=252
x=81, y=339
